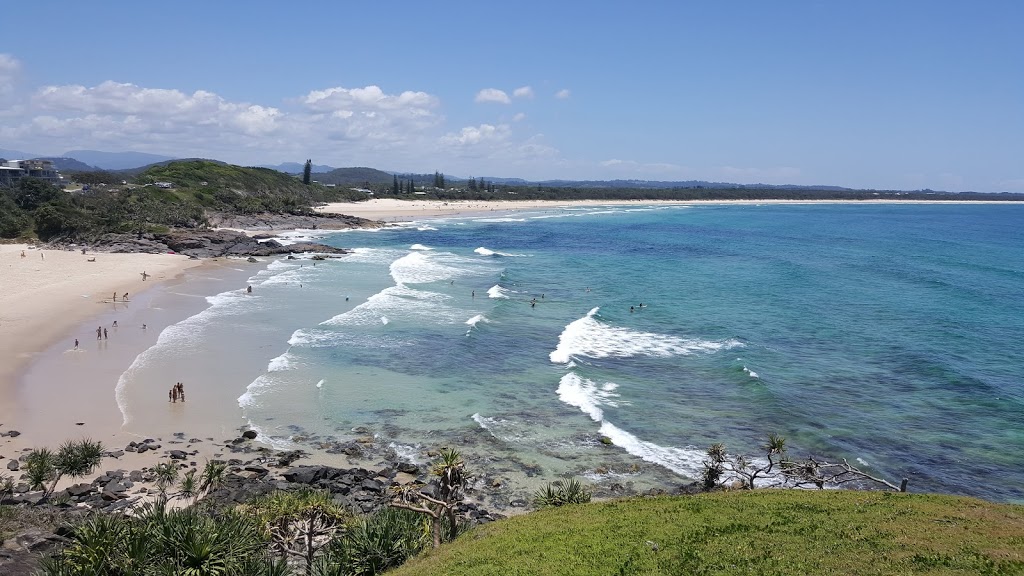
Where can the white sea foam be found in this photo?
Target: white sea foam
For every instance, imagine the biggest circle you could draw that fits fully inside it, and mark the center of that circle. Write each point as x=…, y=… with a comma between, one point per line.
x=504, y=430
x=425, y=228
x=500, y=220
x=488, y=252
x=592, y=338
x=685, y=461
x=320, y=384
x=750, y=372
x=399, y=302
x=276, y=442
x=407, y=453
x=321, y=338
x=282, y=362
x=472, y=322
x=419, y=247
x=384, y=320
x=421, y=268
x=497, y=292
x=587, y=395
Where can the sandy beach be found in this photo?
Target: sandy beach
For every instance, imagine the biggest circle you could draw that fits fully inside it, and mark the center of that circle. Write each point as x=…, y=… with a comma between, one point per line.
x=394, y=210
x=48, y=292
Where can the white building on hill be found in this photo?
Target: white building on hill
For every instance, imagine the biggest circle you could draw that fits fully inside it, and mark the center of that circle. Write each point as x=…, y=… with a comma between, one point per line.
x=13, y=170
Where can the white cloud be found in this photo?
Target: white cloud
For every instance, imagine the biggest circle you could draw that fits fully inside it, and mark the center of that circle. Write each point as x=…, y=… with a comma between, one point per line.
x=10, y=69
x=519, y=117
x=337, y=125
x=562, y=94
x=473, y=135
x=492, y=95
x=523, y=92
x=370, y=98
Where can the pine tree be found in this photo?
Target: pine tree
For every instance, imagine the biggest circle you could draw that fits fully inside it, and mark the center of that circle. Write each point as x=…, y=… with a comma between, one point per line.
x=307, y=172
x=442, y=180
x=394, y=187
x=472, y=183
x=412, y=186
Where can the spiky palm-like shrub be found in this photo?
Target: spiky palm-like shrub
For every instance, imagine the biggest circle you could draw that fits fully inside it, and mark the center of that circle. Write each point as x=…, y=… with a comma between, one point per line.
x=299, y=523
x=375, y=544
x=158, y=541
x=440, y=499
x=39, y=468
x=562, y=492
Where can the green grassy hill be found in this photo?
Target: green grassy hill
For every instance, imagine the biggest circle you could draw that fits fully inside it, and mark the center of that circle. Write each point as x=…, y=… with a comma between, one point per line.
x=236, y=189
x=354, y=177
x=206, y=173
x=764, y=533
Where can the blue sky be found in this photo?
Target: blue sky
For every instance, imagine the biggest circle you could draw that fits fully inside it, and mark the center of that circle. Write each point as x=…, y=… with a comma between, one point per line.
x=902, y=95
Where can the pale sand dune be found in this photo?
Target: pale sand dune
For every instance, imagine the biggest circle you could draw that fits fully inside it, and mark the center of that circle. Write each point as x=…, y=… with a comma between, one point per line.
x=393, y=209
x=49, y=292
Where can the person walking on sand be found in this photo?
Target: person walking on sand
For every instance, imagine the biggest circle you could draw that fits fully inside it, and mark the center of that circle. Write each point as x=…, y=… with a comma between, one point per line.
x=144, y=275
x=125, y=297
x=170, y=395
x=76, y=343
x=174, y=394
x=99, y=332
x=104, y=333
x=22, y=253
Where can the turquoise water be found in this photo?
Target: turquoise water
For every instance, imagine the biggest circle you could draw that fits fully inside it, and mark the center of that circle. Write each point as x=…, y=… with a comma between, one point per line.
x=885, y=334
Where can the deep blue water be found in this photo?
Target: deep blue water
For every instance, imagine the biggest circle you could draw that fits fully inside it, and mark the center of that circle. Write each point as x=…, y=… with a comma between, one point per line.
x=885, y=334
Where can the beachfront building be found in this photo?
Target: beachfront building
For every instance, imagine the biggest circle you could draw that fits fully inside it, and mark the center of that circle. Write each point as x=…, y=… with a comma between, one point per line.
x=13, y=170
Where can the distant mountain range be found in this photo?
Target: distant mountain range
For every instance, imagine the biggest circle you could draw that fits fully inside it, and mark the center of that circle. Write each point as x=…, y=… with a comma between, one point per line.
x=136, y=162
x=115, y=160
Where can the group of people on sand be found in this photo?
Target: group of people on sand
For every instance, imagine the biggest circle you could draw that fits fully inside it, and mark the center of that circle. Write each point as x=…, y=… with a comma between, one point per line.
x=176, y=392
x=102, y=333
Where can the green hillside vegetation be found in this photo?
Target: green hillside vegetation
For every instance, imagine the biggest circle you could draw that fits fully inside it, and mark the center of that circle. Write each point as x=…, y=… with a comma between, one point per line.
x=762, y=532
x=354, y=177
x=34, y=208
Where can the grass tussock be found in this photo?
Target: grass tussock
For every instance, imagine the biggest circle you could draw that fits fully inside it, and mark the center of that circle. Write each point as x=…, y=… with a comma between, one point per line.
x=764, y=532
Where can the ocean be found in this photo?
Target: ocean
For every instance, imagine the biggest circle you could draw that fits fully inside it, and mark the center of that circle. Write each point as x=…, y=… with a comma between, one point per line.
x=885, y=334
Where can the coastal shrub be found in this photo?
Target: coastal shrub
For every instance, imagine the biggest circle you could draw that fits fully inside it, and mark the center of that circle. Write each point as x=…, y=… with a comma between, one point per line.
x=159, y=541
x=777, y=469
x=439, y=499
x=14, y=222
x=562, y=492
x=298, y=523
x=376, y=543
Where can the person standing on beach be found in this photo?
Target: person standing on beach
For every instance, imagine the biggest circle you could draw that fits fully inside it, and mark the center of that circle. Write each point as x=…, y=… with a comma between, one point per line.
x=170, y=395
x=99, y=332
x=76, y=343
x=104, y=333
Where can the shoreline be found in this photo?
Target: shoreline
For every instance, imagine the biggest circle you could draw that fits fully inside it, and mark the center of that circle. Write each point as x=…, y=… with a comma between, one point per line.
x=396, y=210
x=48, y=293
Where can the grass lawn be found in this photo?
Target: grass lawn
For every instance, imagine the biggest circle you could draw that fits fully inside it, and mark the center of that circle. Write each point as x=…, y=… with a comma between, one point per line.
x=763, y=532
